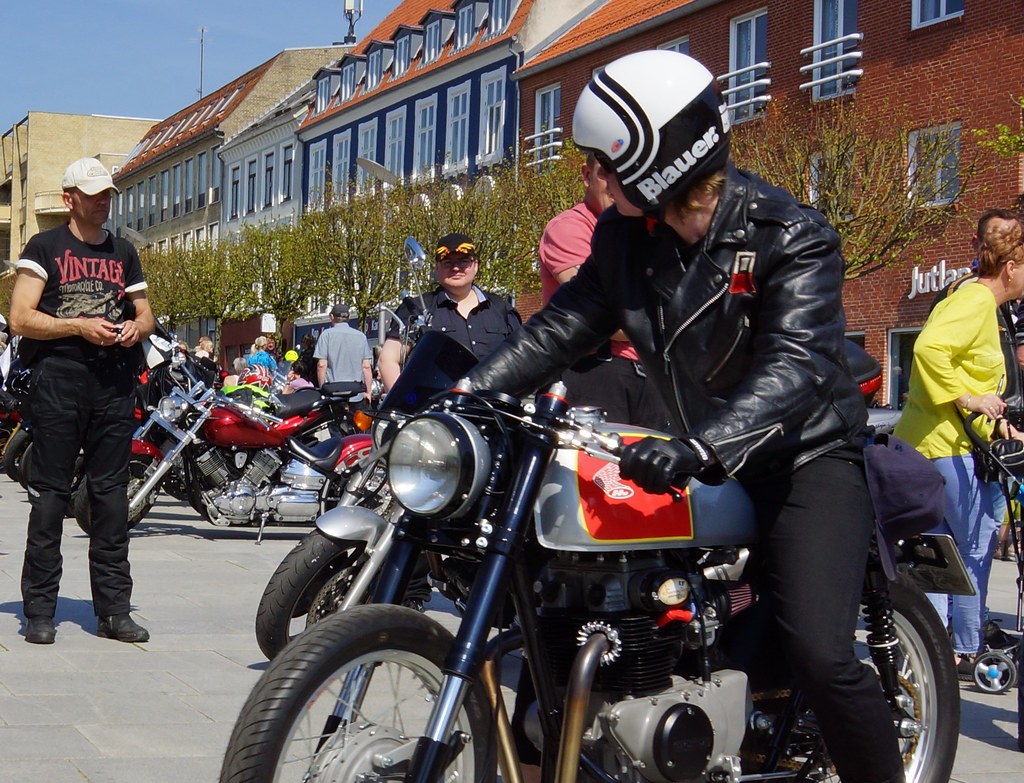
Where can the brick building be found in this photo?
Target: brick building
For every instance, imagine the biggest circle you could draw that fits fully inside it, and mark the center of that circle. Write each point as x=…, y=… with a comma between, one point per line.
x=939, y=60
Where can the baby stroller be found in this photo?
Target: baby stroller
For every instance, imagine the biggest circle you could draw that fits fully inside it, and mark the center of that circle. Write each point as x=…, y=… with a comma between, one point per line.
x=996, y=666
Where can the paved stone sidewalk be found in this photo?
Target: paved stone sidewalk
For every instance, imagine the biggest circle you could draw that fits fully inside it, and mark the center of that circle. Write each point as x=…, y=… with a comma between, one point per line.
x=89, y=709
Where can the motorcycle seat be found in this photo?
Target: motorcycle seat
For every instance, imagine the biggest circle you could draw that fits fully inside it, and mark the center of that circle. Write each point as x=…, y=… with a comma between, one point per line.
x=298, y=404
x=344, y=389
x=322, y=455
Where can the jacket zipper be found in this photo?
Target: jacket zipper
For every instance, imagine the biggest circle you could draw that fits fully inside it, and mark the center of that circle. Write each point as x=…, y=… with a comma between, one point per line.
x=769, y=432
x=728, y=355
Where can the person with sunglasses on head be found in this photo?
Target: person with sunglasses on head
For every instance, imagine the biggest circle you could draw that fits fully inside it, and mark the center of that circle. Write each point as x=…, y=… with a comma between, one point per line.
x=478, y=319
x=731, y=293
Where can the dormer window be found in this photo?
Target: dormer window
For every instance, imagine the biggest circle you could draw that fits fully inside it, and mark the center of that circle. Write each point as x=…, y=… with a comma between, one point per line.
x=432, y=45
x=466, y=26
x=373, y=69
x=499, y=15
x=323, y=93
x=348, y=81
x=402, y=48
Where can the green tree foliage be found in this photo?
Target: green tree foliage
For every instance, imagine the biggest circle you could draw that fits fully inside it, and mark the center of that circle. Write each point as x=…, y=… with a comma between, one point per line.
x=872, y=177
x=1003, y=140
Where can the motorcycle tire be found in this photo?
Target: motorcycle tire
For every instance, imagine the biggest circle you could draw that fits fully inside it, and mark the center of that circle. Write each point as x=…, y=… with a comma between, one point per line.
x=396, y=655
x=81, y=509
x=16, y=446
x=928, y=676
x=284, y=608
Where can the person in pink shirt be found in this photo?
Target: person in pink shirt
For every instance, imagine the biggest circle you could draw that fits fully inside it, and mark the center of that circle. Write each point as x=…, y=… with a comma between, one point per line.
x=612, y=378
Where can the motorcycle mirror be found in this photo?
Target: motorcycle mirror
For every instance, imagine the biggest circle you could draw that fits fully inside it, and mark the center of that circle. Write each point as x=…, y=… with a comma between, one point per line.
x=414, y=252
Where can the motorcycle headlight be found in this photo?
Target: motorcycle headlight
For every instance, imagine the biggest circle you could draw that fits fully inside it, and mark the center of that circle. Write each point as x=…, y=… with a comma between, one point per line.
x=437, y=465
x=171, y=408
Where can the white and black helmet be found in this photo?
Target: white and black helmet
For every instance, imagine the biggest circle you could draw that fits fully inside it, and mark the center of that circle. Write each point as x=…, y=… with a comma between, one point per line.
x=656, y=120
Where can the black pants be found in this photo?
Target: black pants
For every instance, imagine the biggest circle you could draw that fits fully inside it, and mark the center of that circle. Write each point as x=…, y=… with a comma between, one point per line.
x=816, y=526
x=616, y=385
x=87, y=407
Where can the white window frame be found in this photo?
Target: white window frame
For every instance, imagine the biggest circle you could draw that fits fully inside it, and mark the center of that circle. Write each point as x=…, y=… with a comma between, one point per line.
x=832, y=89
x=394, y=141
x=268, y=184
x=499, y=15
x=424, y=137
x=917, y=7
x=348, y=82
x=940, y=182
x=402, y=48
x=492, y=117
x=286, y=190
x=748, y=112
x=681, y=45
x=457, y=130
x=317, y=175
x=465, y=25
x=341, y=162
x=323, y=93
x=432, y=42
x=544, y=119
x=366, y=148
x=235, y=192
x=374, y=66
x=252, y=185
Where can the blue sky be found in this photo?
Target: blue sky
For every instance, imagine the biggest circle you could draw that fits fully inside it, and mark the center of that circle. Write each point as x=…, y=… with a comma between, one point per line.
x=140, y=58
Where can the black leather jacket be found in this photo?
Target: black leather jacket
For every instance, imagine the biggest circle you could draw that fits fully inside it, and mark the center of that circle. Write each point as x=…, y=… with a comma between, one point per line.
x=746, y=346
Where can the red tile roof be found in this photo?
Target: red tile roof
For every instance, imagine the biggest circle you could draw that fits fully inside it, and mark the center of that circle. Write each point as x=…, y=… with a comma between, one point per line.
x=410, y=13
x=614, y=17
x=195, y=120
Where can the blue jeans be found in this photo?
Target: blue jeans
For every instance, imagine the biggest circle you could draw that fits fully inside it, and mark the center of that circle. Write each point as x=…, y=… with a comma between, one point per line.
x=971, y=519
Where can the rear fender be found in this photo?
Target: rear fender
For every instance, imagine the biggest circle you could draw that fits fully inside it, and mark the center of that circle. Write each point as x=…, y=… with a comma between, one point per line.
x=354, y=448
x=352, y=523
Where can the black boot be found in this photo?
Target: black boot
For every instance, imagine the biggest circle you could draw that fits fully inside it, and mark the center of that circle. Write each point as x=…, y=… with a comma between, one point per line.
x=40, y=630
x=121, y=627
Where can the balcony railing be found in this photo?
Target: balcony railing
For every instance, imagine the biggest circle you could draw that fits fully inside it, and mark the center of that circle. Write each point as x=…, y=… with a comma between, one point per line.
x=832, y=70
x=50, y=202
x=747, y=93
x=543, y=146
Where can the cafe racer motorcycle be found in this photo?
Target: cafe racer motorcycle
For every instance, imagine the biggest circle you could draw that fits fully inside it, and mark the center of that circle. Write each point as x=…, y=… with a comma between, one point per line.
x=627, y=610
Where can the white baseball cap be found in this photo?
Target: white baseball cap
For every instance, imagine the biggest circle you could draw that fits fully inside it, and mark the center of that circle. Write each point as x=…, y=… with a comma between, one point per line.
x=89, y=176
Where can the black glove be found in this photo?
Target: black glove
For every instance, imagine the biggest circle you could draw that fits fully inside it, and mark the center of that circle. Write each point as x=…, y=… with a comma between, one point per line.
x=655, y=464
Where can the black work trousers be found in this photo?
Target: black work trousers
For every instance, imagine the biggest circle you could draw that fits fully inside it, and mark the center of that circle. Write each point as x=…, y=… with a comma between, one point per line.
x=75, y=407
x=816, y=527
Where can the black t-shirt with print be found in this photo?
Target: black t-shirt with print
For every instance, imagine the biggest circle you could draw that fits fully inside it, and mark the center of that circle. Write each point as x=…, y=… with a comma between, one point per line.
x=82, y=281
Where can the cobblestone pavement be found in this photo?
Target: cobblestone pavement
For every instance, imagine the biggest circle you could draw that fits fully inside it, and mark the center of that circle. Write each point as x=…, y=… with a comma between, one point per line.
x=89, y=709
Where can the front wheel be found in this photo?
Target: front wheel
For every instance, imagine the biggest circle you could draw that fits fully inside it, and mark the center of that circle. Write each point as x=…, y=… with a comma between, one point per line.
x=287, y=604
x=350, y=695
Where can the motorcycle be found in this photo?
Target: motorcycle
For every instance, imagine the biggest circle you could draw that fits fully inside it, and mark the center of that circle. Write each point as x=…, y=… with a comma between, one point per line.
x=625, y=640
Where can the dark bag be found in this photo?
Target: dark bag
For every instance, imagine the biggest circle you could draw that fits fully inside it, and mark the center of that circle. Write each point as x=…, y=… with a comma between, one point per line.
x=906, y=491
x=1001, y=459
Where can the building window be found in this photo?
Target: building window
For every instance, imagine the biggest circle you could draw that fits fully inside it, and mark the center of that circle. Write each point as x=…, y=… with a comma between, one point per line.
x=268, y=179
x=366, y=148
x=342, y=161
x=466, y=25
x=250, y=187
x=834, y=19
x=373, y=69
x=681, y=45
x=151, y=218
x=432, y=44
x=394, y=146
x=176, y=182
x=165, y=193
x=425, y=135
x=200, y=235
x=201, y=180
x=190, y=181
x=933, y=156
x=748, y=46
x=323, y=93
x=317, y=173
x=348, y=81
x=492, y=115
x=930, y=11
x=234, y=196
x=140, y=217
x=548, y=111
x=215, y=175
x=457, y=147
x=499, y=15
x=129, y=200
x=287, y=166
x=401, y=56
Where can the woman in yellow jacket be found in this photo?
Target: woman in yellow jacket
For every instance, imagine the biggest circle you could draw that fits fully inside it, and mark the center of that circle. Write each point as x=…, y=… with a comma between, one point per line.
x=958, y=363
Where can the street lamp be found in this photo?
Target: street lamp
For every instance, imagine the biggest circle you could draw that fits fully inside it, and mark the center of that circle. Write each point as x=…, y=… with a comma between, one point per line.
x=353, y=12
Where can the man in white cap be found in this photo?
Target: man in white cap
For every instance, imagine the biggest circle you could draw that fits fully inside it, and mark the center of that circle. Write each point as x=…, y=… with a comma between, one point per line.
x=79, y=304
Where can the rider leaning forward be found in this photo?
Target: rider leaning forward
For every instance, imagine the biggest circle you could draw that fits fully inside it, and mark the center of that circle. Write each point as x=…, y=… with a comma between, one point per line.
x=730, y=291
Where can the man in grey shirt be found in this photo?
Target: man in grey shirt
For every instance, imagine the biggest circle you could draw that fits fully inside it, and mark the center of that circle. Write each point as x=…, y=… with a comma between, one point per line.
x=343, y=354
